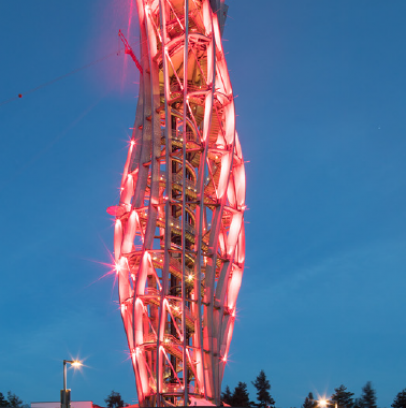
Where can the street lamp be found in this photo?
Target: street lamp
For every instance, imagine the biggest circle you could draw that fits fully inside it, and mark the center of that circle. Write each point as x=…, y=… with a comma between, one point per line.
x=65, y=393
x=323, y=403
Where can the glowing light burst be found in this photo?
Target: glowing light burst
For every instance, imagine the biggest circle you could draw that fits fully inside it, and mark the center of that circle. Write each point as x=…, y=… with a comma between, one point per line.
x=111, y=266
x=76, y=365
x=182, y=198
x=322, y=402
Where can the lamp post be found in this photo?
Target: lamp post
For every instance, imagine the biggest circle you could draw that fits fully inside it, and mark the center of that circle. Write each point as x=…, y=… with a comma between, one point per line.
x=65, y=393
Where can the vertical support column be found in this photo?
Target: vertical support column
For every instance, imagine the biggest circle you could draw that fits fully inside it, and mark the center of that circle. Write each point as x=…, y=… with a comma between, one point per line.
x=185, y=86
x=167, y=198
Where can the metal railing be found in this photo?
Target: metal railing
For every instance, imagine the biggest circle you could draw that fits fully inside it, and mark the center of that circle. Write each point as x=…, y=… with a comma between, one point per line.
x=178, y=180
x=178, y=135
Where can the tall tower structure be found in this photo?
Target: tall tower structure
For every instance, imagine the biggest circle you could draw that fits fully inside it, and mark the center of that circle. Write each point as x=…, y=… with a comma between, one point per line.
x=179, y=241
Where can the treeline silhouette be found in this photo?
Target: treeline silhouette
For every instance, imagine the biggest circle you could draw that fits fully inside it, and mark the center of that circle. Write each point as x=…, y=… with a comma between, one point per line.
x=12, y=401
x=341, y=398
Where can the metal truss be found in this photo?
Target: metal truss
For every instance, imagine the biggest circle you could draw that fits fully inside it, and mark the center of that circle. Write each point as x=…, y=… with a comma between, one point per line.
x=179, y=240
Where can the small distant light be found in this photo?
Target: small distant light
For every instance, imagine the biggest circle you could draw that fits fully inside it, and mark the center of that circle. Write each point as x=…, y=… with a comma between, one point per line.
x=76, y=364
x=322, y=402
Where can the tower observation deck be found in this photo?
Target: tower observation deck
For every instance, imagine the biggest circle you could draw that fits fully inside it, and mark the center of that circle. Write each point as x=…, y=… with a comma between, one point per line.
x=179, y=242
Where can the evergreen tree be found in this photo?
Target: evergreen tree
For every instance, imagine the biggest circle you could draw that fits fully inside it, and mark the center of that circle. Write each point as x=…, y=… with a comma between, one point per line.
x=3, y=401
x=342, y=398
x=400, y=400
x=240, y=396
x=226, y=396
x=114, y=400
x=368, y=397
x=263, y=386
x=310, y=402
x=14, y=401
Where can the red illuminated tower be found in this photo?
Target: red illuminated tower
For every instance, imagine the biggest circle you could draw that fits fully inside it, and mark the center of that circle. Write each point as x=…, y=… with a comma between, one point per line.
x=179, y=240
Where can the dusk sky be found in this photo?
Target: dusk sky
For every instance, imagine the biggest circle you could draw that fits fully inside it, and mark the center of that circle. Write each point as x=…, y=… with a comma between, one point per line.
x=321, y=104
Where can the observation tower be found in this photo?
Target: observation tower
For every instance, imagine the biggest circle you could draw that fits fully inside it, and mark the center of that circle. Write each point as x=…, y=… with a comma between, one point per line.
x=179, y=242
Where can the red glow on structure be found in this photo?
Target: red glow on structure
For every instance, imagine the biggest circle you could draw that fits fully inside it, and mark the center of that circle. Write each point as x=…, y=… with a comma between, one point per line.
x=182, y=194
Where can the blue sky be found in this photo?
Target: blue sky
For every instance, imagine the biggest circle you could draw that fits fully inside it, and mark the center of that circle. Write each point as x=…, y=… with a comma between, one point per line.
x=321, y=104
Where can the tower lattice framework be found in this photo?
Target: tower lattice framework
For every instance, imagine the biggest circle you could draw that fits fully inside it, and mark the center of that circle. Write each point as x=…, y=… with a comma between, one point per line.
x=179, y=242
